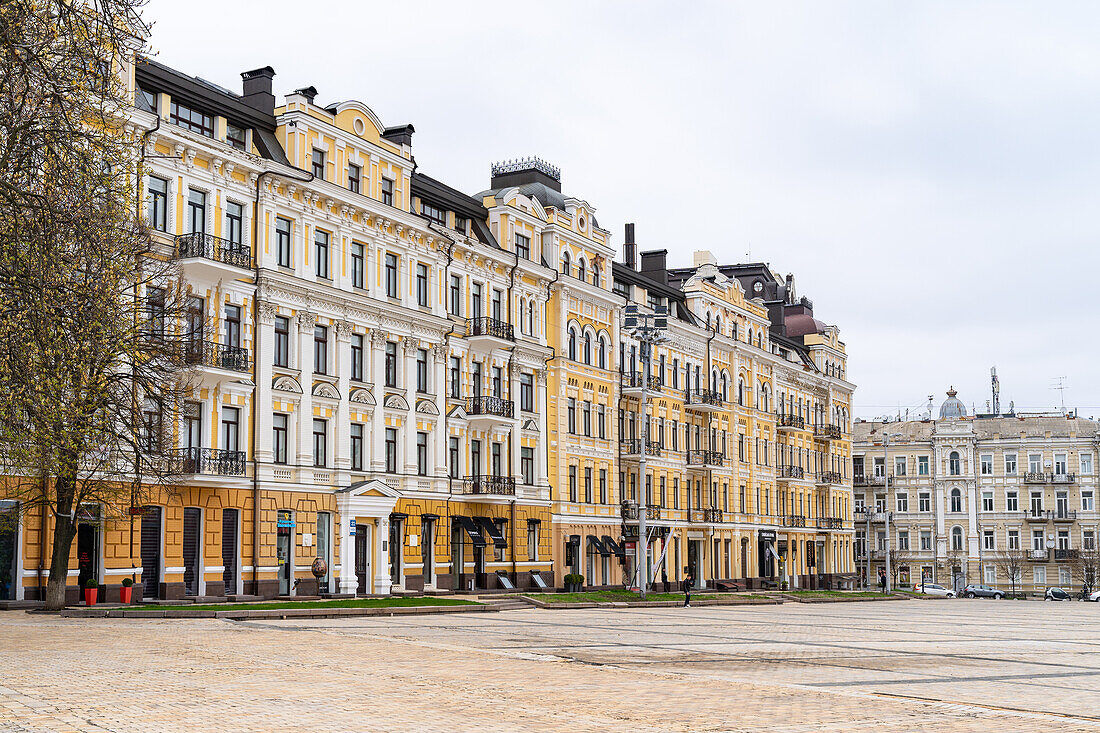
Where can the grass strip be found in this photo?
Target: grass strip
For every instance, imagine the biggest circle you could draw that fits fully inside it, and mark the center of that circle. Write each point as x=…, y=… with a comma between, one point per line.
x=344, y=603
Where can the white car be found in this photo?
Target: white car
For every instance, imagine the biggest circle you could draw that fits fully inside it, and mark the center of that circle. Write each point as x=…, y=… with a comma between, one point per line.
x=932, y=589
x=1095, y=596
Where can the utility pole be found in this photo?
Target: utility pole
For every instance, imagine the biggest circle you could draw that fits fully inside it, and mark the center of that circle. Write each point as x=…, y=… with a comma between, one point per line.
x=886, y=483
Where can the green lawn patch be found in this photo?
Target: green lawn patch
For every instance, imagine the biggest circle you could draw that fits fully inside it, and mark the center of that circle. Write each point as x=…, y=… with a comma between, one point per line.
x=344, y=603
x=604, y=596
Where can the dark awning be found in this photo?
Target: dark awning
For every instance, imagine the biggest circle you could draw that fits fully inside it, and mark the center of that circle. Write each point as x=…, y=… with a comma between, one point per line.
x=493, y=530
x=615, y=547
x=471, y=528
x=595, y=544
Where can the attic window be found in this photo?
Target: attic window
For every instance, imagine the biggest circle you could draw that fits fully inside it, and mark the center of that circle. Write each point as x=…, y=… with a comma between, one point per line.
x=358, y=126
x=234, y=136
x=581, y=222
x=436, y=214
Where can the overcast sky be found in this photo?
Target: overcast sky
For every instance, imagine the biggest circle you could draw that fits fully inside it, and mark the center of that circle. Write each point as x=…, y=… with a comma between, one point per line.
x=926, y=170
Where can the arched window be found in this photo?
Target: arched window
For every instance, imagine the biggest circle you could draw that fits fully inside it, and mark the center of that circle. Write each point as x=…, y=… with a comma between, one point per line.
x=750, y=336
x=596, y=275
x=522, y=320
x=587, y=348
x=603, y=354
x=718, y=324
x=953, y=464
x=581, y=273
x=725, y=387
x=572, y=343
x=565, y=263
x=956, y=500
x=740, y=391
x=956, y=538
x=764, y=397
x=713, y=380
x=531, y=319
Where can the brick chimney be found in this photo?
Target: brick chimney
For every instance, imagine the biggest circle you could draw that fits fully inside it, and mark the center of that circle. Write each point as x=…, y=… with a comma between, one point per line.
x=257, y=89
x=630, y=254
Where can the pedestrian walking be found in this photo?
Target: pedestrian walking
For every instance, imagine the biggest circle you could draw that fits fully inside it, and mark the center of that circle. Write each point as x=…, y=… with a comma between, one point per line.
x=882, y=579
x=689, y=581
x=664, y=580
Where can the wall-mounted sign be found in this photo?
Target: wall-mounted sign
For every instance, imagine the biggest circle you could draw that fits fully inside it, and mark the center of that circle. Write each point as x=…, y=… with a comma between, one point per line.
x=285, y=522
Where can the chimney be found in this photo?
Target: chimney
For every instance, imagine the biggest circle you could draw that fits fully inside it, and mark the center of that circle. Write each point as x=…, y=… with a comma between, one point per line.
x=257, y=89
x=308, y=92
x=704, y=257
x=631, y=249
x=654, y=265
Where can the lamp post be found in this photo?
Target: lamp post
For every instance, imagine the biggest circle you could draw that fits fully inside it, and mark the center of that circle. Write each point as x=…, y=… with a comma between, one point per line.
x=648, y=329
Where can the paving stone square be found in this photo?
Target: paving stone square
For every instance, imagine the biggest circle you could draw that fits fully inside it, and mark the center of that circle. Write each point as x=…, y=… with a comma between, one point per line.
x=967, y=665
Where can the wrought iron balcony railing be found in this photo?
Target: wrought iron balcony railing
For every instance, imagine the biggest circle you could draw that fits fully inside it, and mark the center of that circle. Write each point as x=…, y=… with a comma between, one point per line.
x=704, y=458
x=1035, y=477
x=703, y=397
x=1065, y=553
x=789, y=472
x=633, y=380
x=830, y=523
x=830, y=477
x=1063, y=478
x=494, y=485
x=490, y=405
x=486, y=326
x=209, y=247
x=630, y=512
x=1064, y=515
x=828, y=432
x=794, y=520
x=784, y=420
x=633, y=447
x=207, y=460
x=220, y=356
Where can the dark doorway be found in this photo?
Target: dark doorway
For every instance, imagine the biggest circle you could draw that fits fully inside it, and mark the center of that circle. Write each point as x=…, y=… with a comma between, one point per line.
x=87, y=552
x=229, y=550
x=9, y=546
x=362, y=560
x=150, y=552
x=693, y=559
x=192, y=521
x=396, y=548
x=285, y=534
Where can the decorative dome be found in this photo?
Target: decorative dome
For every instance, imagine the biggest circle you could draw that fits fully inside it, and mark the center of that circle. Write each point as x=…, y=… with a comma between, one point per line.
x=952, y=406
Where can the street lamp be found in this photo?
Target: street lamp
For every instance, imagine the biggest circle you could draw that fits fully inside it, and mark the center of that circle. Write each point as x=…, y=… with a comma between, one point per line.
x=648, y=329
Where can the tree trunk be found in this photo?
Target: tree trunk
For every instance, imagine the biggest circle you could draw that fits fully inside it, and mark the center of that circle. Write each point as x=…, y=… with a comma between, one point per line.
x=64, y=530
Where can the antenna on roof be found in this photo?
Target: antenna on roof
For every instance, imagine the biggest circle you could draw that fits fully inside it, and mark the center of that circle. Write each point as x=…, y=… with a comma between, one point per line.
x=1060, y=385
x=996, y=391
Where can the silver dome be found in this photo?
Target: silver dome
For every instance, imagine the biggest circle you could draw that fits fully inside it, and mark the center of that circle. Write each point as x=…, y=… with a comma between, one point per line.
x=952, y=406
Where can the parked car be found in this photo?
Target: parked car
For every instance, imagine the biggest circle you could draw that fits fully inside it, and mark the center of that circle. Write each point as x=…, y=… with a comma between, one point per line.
x=982, y=591
x=1095, y=596
x=1057, y=594
x=933, y=589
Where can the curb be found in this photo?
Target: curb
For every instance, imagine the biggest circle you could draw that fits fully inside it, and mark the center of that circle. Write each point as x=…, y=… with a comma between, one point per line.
x=656, y=604
x=272, y=613
x=836, y=599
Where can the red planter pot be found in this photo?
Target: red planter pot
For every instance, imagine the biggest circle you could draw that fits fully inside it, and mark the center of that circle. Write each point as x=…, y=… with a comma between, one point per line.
x=125, y=593
x=90, y=596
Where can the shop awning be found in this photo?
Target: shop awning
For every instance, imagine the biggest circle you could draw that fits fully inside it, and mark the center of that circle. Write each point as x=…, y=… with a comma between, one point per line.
x=613, y=546
x=594, y=543
x=471, y=528
x=492, y=529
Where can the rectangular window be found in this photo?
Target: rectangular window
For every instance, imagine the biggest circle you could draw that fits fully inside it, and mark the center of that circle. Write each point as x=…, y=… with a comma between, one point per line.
x=433, y=213
x=523, y=246
x=234, y=136
x=461, y=223
x=1088, y=540
x=456, y=377
x=421, y=454
x=391, y=275
x=320, y=443
x=391, y=364
x=903, y=541
x=1035, y=462
x=196, y=211
x=157, y=203
x=1012, y=501
x=422, y=370
x=987, y=501
x=233, y=325
x=900, y=465
x=603, y=485
x=191, y=119
x=318, y=164
x=922, y=465
x=357, y=357
x=234, y=222
x=532, y=541
x=453, y=457
x=1086, y=463
x=527, y=392
x=354, y=174
x=527, y=465
x=231, y=421
x=903, y=501
x=279, y=436
x=391, y=450
x=358, y=265
x=282, y=341
x=320, y=350
x=571, y=416
x=988, y=539
x=1087, y=500
x=320, y=253
x=387, y=191
x=456, y=295
x=155, y=313
x=282, y=241
x=1014, y=539
x=588, y=484
x=572, y=483
x=1010, y=464
x=925, y=540
x=987, y=464
x=422, y=285
x=356, y=446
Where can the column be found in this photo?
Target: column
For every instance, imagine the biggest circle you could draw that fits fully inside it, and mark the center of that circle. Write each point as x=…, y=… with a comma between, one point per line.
x=265, y=359
x=409, y=377
x=378, y=357
x=306, y=322
x=348, y=581
x=440, y=353
x=382, y=581
x=342, y=459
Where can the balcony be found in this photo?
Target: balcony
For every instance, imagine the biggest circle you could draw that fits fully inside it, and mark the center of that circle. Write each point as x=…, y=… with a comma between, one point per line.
x=708, y=516
x=629, y=511
x=827, y=432
x=868, y=480
x=485, y=334
x=830, y=523
x=830, y=477
x=789, y=472
x=485, y=411
x=210, y=461
x=1064, y=515
x=1036, y=515
x=794, y=520
x=489, y=485
x=217, y=356
x=212, y=256
x=790, y=422
x=1038, y=555
x=705, y=458
x=1063, y=478
x=633, y=447
x=1035, y=477
x=1065, y=554
x=632, y=384
x=703, y=400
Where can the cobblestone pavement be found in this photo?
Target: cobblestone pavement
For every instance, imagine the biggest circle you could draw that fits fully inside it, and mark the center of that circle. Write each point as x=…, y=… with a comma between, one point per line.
x=899, y=666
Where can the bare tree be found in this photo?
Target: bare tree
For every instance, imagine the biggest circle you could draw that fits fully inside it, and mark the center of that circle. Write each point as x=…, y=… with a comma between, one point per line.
x=1086, y=568
x=898, y=560
x=91, y=363
x=1010, y=562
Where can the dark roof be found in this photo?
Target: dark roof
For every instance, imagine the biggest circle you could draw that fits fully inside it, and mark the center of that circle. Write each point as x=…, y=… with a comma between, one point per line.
x=546, y=195
x=676, y=298
x=444, y=196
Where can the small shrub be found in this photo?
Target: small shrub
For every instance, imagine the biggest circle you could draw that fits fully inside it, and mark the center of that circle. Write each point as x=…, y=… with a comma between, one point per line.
x=91, y=583
x=127, y=582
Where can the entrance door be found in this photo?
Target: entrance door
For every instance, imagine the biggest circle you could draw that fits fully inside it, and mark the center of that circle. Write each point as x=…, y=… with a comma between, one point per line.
x=87, y=552
x=285, y=533
x=192, y=520
x=150, y=552
x=396, y=549
x=362, y=559
x=693, y=558
x=9, y=527
x=229, y=550
x=479, y=567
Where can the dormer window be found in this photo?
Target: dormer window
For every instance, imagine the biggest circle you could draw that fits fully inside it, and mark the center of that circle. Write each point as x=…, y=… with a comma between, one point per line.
x=461, y=224
x=234, y=136
x=434, y=213
x=523, y=246
x=192, y=119
x=319, y=164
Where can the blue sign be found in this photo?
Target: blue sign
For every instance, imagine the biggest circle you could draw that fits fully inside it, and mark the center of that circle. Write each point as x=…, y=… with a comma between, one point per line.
x=287, y=523
x=352, y=528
